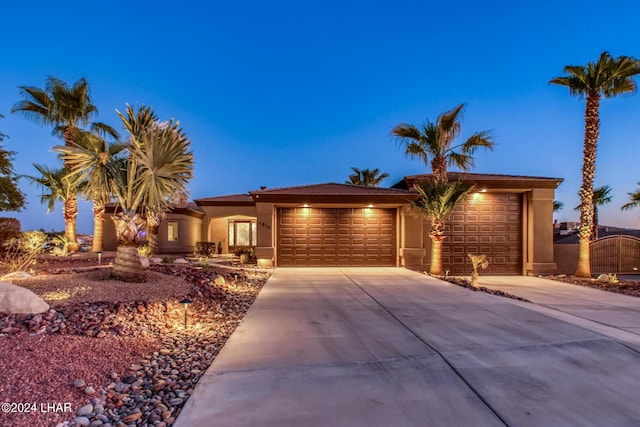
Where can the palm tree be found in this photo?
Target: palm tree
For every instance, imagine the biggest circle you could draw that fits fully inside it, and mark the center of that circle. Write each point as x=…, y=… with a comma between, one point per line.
x=435, y=202
x=435, y=141
x=67, y=109
x=608, y=77
x=58, y=186
x=634, y=200
x=557, y=205
x=601, y=196
x=366, y=177
x=159, y=165
x=97, y=188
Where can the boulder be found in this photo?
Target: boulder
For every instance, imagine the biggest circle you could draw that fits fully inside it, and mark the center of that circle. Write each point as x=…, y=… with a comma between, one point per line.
x=17, y=300
x=155, y=260
x=181, y=261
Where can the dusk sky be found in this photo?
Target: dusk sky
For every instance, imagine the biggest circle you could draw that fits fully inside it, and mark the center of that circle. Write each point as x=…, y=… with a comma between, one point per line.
x=283, y=93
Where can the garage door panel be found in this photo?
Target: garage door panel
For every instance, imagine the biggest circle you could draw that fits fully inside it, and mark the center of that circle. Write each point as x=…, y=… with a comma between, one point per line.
x=490, y=224
x=346, y=237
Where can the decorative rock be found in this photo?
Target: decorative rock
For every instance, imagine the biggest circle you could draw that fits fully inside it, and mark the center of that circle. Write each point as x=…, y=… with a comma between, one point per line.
x=135, y=367
x=89, y=390
x=132, y=417
x=17, y=300
x=101, y=334
x=180, y=261
x=219, y=281
x=175, y=402
x=155, y=260
x=16, y=275
x=85, y=410
x=79, y=383
x=82, y=421
x=165, y=351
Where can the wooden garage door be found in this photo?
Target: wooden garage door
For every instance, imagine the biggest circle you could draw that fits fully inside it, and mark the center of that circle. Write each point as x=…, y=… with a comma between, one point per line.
x=313, y=237
x=487, y=223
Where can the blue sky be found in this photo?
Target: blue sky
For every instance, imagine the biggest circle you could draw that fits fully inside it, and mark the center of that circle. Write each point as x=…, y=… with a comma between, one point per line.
x=287, y=92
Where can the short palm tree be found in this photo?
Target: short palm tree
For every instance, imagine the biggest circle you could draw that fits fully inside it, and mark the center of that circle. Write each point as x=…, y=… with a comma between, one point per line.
x=608, y=77
x=58, y=186
x=158, y=166
x=434, y=141
x=601, y=196
x=366, y=177
x=436, y=201
x=67, y=109
x=634, y=200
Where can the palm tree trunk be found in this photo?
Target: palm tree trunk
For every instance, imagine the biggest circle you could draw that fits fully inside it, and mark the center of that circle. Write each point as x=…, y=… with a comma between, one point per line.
x=127, y=266
x=591, y=133
x=70, y=215
x=153, y=227
x=439, y=168
x=98, y=226
x=69, y=138
x=437, y=237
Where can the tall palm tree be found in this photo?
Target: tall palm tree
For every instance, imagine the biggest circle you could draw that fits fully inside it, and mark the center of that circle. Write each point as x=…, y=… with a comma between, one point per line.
x=58, y=186
x=159, y=165
x=634, y=200
x=96, y=189
x=366, y=177
x=67, y=109
x=435, y=202
x=601, y=196
x=435, y=141
x=608, y=77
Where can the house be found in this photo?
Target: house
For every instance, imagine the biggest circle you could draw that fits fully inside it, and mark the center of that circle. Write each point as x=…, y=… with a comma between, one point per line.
x=508, y=218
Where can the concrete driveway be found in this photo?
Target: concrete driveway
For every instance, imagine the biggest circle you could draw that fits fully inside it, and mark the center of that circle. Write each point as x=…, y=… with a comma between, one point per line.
x=390, y=347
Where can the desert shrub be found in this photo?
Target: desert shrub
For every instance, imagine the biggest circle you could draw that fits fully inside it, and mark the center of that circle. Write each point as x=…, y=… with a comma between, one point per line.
x=203, y=262
x=22, y=252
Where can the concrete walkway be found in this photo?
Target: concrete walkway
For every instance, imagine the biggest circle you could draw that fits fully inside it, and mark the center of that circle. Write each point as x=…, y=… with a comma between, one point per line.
x=390, y=347
x=608, y=313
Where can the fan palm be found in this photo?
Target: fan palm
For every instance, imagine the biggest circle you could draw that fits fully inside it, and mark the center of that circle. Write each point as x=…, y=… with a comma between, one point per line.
x=608, y=77
x=634, y=200
x=435, y=141
x=436, y=200
x=58, y=186
x=557, y=205
x=159, y=165
x=67, y=109
x=366, y=177
x=601, y=196
x=97, y=189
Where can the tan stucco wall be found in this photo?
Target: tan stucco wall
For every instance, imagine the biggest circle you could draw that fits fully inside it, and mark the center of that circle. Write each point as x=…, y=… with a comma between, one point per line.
x=189, y=230
x=265, y=251
x=411, y=242
x=539, y=228
x=566, y=258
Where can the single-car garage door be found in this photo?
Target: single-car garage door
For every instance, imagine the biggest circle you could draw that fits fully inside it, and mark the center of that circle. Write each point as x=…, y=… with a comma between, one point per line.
x=315, y=237
x=487, y=223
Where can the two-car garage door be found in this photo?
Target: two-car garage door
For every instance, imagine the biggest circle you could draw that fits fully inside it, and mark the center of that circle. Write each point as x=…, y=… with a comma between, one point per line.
x=315, y=237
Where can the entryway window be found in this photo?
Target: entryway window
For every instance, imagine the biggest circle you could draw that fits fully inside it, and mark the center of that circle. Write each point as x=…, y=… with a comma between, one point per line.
x=172, y=231
x=242, y=234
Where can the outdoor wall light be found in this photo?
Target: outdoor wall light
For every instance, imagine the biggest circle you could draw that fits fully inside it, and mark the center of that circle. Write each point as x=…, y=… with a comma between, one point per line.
x=369, y=205
x=100, y=258
x=186, y=303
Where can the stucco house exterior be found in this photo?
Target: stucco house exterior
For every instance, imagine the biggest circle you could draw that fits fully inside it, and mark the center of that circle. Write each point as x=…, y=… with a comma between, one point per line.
x=508, y=218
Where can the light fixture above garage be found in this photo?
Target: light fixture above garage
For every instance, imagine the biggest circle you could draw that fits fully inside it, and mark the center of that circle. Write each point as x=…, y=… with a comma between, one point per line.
x=305, y=205
x=369, y=205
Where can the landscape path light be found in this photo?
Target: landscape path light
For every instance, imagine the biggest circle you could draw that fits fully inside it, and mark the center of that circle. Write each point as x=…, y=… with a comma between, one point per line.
x=99, y=257
x=186, y=303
